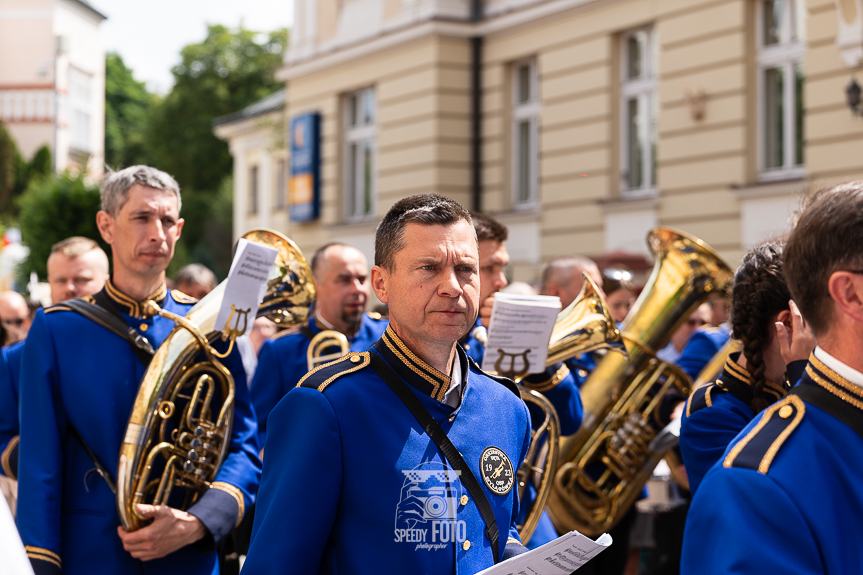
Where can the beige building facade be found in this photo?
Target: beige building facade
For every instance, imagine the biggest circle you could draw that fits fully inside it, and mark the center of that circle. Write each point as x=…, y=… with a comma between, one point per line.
x=599, y=119
x=52, y=80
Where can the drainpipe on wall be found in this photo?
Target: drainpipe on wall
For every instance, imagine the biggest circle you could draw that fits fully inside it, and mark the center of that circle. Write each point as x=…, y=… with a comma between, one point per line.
x=476, y=109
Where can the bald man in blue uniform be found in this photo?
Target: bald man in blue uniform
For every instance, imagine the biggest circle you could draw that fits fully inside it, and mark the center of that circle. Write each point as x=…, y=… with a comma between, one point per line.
x=341, y=277
x=79, y=376
x=785, y=497
x=352, y=482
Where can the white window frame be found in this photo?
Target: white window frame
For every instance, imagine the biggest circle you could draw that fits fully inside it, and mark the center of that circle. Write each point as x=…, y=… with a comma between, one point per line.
x=786, y=55
x=632, y=88
x=521, y=111
x=358, y=135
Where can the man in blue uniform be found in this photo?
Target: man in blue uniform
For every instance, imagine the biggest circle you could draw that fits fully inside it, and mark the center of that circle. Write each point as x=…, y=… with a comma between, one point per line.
x=79, y=381
x=556, y=382
x=76, y=267
x=353, y=483
x=786, y=497
x=342, y=278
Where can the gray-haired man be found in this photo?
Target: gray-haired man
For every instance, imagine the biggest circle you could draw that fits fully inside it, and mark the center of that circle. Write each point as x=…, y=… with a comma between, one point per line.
x=79, y=381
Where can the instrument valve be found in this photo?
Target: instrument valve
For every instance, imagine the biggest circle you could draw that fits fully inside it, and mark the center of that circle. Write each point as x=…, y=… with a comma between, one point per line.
x=199, y=431
x=193, y=455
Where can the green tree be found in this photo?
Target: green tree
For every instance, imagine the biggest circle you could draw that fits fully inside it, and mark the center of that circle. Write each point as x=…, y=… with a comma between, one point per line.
x=127, y=108
x=52, y=209
x=223, y=74
x=9, y=159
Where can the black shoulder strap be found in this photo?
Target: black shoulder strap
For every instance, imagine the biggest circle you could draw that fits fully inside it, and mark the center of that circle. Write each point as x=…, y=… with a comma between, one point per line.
x=106, y=315
x=100, y=469
x=831, y=404
x=443, y=442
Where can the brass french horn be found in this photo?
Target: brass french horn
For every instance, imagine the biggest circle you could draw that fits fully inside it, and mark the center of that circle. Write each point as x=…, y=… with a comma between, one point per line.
x=606, y=463
x=180, y=427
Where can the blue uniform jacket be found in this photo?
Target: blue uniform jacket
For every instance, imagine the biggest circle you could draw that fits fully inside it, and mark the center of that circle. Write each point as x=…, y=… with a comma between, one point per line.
x=76, y=372
x=714, y=415
x=282, y=363
x=786, y=496
x=10, y=368
x=560, y=386
x=353, y=485
x=702, y=346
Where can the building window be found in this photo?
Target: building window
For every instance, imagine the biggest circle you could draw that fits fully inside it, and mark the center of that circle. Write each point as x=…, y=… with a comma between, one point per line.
x=253, y=190
x=80, y=110
x=525, y=134
x=781, y=47
x=281, y=184
x=638, y=112
x=360, y=154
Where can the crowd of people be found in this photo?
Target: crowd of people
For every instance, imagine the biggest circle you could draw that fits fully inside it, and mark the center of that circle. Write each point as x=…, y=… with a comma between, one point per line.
x=401, y=456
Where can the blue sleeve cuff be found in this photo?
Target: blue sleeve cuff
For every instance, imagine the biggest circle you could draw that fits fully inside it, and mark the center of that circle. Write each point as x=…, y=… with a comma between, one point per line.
x=43, y=561
x=220, y=509
x=9, y=459
x=513, y=548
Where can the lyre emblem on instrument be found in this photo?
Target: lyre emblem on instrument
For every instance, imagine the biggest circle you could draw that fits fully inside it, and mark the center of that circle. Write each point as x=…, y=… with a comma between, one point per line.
x=511, y=372
x=242, y=315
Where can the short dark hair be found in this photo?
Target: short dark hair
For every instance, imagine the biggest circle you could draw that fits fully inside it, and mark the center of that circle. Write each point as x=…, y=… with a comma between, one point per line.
x=828, y=238
x=425, y=209
x=488, y=228
x=196, y=274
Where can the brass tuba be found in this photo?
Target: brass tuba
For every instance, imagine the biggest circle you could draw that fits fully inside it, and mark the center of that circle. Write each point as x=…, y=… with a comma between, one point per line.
x=621, y=440
x=585, y=325
x=181, y=422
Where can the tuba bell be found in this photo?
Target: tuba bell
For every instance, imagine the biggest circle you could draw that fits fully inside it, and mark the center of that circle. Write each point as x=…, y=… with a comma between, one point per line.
x=585, y=325
x=180, y=427
x=606, y=463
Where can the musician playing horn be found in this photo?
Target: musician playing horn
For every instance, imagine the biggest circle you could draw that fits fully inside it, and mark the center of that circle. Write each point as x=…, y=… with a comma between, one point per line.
x=785, y=497
x=341, y=275
x=352, y=483
x=79, y=381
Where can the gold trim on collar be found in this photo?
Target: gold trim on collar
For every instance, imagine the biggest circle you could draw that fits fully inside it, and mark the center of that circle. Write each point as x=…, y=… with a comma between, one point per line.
x=839, y=392
x=834, y=377
x=134, y=308
x=439, y=381
x=740, y=373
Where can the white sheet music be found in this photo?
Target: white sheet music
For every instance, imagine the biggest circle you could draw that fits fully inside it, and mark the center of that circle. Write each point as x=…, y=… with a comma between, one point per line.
x=246, y=285
x=520, y=328
x=559, y=557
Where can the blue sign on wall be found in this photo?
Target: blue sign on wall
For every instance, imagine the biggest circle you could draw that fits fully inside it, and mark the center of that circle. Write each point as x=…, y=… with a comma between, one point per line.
x=305, y=185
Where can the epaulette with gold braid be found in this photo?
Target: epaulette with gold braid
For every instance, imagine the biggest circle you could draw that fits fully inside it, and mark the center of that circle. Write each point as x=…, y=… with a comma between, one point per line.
x=323, y=375
x=759, y=447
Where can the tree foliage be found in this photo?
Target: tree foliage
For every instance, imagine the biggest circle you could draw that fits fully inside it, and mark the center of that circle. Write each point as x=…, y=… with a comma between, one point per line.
x=9, y=159
x=128, y=105
x=52, y=209
x=223, y=74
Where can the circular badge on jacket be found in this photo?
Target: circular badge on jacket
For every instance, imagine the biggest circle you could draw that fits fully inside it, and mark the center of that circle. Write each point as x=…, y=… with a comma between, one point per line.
x=496, y=470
